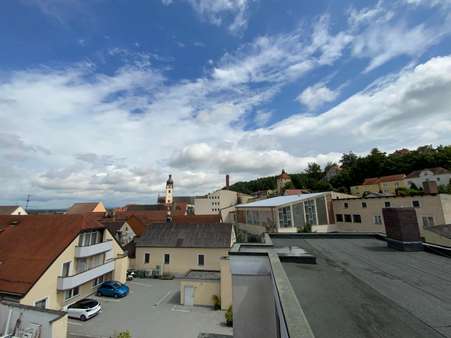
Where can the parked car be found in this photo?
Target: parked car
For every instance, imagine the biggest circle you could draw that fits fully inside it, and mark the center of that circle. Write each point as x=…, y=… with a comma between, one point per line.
x=113, y=289
x=84, y=309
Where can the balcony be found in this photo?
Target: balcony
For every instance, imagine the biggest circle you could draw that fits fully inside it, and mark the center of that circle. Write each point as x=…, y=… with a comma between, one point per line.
x=69, y=282
x=95, y=249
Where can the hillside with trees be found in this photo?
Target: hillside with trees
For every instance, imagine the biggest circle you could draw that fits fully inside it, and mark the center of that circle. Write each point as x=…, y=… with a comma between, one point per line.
x=354, y=169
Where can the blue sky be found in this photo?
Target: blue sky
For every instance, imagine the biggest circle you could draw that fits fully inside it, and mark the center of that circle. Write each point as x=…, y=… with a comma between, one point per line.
x=102, y=99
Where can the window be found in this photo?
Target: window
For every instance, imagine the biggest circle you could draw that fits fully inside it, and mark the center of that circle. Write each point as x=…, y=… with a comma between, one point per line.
x=377, y=219
x=428, y=221
x=97, y=281
x=310, y=212
x=416, y=204
x=42, y=304
x=348, y=218
x=356, y=219
x=339, y=217
x=200, y=260
x=387, y=204
x=364, y=205
x=68, y=294
x=167, y=258
x=66, y=269
x=89, y=238
x=346, y=205
x=285, y=217
x=146, y=258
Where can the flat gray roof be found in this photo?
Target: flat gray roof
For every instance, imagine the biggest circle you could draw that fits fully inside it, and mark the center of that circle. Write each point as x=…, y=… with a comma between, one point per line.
x=361, y=288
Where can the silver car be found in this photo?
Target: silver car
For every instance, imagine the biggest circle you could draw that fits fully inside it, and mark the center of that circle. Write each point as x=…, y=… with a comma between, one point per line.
x=84, y=309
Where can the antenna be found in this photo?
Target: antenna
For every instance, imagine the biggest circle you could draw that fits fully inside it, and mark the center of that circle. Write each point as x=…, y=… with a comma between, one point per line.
x=28, y=201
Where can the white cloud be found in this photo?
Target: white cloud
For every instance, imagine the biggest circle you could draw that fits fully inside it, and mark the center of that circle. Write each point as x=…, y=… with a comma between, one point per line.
x=74, y=133
x=315, y=96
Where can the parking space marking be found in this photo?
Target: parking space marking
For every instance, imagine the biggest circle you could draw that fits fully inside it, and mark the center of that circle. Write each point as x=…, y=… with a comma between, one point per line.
x=74, y=323
x=163, y=298
x=174, y=308
x=109, y=300
x=141, y=284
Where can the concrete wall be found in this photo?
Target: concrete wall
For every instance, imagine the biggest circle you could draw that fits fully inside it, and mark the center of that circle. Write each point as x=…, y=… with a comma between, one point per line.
x=430, y=206
x=226, y=284
x=52, y=325
x=204, y=290
x=446, y=207
x=181, y=259
x=46, y=286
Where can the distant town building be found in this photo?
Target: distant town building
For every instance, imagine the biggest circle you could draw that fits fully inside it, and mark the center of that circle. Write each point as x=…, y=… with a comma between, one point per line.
x=440, y=175
x=385, y=184
x=332, y=171
x=365, y=214
x=281, y=181
x=12, y=210
x=288, y=213
x=124, y=230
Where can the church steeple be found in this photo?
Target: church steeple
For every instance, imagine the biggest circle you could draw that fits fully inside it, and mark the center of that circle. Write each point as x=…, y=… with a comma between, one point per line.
x=169, y=190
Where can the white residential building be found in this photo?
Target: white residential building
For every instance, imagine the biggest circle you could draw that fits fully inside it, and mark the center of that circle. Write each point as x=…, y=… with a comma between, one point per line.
x=440, y=175
x=219, y=202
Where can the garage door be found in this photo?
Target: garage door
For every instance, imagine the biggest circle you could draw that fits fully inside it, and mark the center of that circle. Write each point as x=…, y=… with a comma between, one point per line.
x=189, y=295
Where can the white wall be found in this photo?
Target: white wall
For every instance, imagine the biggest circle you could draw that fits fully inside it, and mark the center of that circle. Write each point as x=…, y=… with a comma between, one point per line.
x=427, y=175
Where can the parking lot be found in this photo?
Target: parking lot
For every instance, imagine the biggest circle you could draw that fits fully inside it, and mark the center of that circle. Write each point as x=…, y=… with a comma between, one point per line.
x=150, y=310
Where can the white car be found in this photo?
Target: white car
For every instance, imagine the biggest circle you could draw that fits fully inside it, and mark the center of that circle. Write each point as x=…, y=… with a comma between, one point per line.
x=84, y=309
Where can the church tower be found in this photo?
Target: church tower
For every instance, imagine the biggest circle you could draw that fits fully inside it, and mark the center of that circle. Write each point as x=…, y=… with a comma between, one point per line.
x=169, y=191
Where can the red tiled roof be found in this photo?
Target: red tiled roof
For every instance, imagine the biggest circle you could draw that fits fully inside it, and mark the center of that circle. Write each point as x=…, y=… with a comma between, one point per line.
x=30, y=244
x=389, y=178
x=136, y=224
x=82, y=208
x=289, y=192
x=370, y=181
x=145, y=216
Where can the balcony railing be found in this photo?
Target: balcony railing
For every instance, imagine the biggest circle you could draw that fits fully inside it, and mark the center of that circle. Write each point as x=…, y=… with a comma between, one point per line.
x=95, y=249
x=69, y=282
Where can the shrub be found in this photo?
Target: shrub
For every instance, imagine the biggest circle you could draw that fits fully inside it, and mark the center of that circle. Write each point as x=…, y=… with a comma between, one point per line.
x=216, y=302
x=229, y=316
x=124, y=334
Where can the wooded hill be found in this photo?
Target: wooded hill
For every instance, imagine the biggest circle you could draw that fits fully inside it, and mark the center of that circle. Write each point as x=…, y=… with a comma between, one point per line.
x=354, y=169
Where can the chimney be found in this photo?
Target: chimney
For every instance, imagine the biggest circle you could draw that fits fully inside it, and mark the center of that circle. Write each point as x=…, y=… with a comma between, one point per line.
x=227, y=181
x=430, y=187
x=402, y=230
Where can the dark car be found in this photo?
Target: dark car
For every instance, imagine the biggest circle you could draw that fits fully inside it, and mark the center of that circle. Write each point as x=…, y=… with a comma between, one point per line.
x=113, y=289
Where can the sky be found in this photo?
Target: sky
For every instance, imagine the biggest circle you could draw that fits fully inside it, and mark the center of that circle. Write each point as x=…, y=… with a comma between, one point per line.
x=101, y=100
